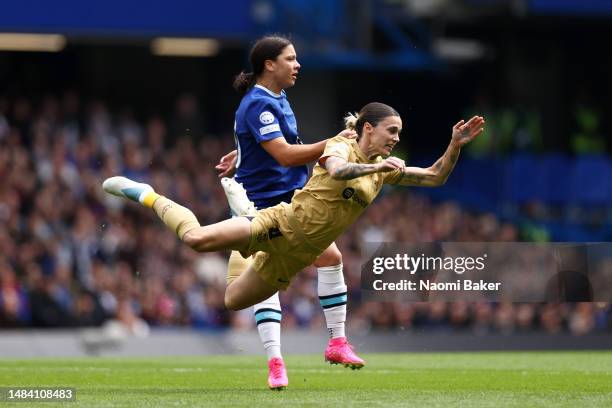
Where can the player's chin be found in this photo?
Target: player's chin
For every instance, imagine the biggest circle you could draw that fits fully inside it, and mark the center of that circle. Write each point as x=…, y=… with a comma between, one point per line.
x=386, y=152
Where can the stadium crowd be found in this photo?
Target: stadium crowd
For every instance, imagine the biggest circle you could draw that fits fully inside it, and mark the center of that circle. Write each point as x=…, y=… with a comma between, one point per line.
x=71, y=256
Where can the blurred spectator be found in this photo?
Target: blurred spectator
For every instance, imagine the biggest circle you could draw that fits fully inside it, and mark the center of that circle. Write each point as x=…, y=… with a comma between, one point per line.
x=14, y=310
x=187, y=121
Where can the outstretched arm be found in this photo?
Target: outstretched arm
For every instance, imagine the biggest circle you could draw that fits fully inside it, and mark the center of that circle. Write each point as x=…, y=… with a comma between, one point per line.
x=340, y=169
x=438, y=173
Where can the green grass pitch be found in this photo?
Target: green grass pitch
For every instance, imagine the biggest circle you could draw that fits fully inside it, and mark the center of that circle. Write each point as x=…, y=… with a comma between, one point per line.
x=516, y=379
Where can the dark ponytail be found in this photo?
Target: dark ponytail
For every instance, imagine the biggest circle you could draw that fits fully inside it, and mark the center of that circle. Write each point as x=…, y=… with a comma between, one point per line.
x=243, y=82
x=266, y=48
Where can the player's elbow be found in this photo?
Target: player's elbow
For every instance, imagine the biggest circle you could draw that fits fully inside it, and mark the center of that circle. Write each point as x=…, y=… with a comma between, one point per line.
x=436, y=178
x=284, y=158
x=441, y=181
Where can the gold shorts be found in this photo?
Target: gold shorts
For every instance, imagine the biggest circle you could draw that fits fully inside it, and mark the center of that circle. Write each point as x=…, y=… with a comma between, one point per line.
x=278, y=250
x=237, y=265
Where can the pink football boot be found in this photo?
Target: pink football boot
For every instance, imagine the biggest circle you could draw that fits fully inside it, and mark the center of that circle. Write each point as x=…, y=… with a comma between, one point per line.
x=277, y=374
x=339, y=351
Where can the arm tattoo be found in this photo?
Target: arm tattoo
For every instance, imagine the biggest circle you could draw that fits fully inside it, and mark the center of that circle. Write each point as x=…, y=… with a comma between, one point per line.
x=445, y=165
x=348, y=171
x=433, y=176
x=411, y=178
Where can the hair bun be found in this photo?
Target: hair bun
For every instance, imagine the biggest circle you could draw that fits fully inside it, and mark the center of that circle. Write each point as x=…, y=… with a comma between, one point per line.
x=350, y=121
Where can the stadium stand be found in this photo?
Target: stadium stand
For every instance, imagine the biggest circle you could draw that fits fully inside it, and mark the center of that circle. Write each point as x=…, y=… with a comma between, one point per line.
x=72, y=257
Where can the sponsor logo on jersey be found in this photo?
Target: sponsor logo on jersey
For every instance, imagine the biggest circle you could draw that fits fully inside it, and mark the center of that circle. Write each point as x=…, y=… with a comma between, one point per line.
x=274, y=233
x=349, y=193
x=266, y=117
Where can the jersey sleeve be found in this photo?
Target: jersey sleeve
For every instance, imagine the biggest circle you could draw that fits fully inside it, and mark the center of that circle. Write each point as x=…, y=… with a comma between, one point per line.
x=337, y=147
x=262, y=121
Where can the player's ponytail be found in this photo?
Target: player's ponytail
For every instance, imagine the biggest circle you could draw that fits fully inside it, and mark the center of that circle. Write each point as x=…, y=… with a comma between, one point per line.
x=266, y=48
x=243, y=82
x=350, y=121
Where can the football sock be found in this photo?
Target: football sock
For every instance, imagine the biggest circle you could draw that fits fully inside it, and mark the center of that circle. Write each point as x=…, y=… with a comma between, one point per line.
x=268, y=318
x=178, y=218
x=148, y=197
x=332, y=296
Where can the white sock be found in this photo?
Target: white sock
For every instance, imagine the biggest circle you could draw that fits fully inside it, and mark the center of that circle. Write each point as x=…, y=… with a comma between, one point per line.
x=332, y=295
x=268, y=318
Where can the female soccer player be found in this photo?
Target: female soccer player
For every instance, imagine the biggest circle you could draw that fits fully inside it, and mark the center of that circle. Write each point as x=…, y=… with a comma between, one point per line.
x=288, y=237
x=270, y=165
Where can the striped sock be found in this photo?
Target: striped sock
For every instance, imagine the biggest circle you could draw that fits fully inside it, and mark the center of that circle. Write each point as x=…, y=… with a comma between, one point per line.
x=333, y=296
x=147, y=198
x=268, y=318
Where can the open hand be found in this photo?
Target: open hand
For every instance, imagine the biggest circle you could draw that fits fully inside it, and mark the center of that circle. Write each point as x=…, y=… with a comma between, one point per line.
x=227, y=164
x=463, y=132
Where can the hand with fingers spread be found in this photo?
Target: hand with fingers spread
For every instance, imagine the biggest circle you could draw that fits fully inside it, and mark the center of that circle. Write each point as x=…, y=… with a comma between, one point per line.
x=391, y=163
x=465, y=132
x=227, y=164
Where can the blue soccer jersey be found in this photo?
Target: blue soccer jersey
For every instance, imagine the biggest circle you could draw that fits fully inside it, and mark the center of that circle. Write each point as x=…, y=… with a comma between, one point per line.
x=262, y=116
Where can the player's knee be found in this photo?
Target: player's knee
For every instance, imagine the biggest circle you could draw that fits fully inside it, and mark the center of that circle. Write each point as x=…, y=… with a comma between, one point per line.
x=192, y=238
x=198, y=239
x=331, y=257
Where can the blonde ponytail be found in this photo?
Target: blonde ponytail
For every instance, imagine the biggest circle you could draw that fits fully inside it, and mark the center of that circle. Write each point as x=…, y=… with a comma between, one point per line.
x=350, y=121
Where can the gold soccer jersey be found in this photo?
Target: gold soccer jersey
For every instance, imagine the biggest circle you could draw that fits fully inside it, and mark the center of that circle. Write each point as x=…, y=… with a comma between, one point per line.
x=290, y=237
x=326, y=207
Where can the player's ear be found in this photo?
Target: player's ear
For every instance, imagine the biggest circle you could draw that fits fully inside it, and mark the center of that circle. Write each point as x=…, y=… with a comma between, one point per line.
x=270, y=65
x=367, y=127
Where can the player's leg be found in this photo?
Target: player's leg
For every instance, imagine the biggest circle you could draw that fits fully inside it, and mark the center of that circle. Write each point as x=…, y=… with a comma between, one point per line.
x=247, y=290
x=268, y=319
x=229, y=234
x=333, y=296
x=268, y=312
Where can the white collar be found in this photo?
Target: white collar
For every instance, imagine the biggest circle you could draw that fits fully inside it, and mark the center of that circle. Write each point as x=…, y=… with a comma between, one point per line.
x=269, y=91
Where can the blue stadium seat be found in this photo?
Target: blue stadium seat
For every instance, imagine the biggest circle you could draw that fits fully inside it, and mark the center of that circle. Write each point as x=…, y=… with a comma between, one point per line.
x=523, y=180
x=481, y=181
x=591, y=181
x=555, y=170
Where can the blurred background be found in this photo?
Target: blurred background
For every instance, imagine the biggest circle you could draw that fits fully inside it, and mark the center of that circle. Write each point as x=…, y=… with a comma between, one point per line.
x=144, y=89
